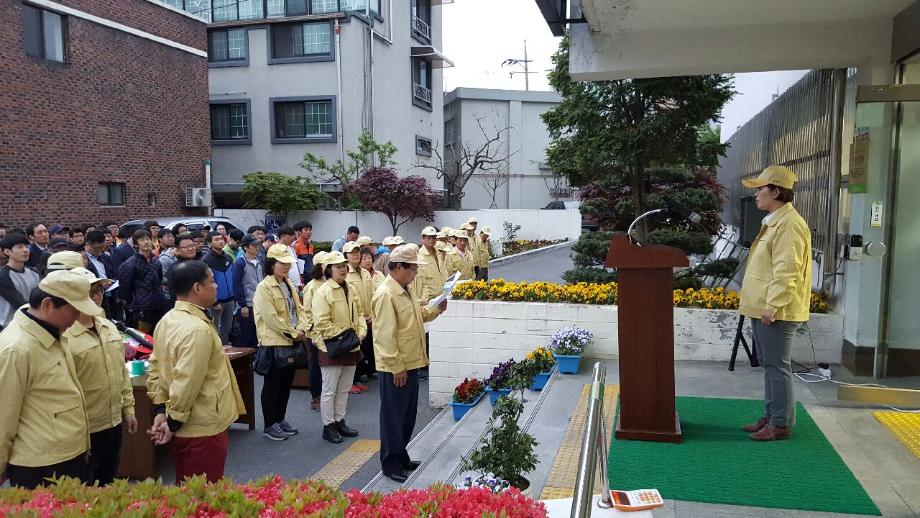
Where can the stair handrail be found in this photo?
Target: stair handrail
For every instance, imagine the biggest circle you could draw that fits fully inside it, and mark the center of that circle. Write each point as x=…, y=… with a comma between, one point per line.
x=593, y=451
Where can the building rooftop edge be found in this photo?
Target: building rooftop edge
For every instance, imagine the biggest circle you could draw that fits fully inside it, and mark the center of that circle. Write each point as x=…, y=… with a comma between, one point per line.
x=491, y=94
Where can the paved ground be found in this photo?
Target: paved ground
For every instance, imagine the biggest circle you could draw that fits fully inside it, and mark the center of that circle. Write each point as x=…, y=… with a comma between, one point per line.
x=545, y=266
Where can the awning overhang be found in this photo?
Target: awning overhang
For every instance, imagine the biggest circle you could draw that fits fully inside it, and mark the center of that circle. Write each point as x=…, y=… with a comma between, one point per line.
x=437, y=59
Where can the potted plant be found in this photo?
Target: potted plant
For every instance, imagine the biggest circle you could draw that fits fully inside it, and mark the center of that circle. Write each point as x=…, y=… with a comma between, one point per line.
x=466, y=395
x=499, y=382
x=506, y=451
x=567, y=345
x=544, y=363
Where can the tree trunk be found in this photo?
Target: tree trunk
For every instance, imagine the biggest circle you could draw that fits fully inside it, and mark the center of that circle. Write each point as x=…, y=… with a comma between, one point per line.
x=638, y=198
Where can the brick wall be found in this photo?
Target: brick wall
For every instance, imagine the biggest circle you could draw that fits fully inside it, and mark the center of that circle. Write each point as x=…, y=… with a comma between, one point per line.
x=121, y=109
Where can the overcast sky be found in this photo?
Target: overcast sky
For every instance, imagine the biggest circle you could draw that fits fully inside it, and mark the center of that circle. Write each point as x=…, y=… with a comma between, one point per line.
x=480, y=34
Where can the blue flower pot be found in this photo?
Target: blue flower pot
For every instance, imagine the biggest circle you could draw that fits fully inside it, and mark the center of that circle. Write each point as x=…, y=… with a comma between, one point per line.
x=539, y=381
x=568, y=364
x=460, y=409
x=494, y=394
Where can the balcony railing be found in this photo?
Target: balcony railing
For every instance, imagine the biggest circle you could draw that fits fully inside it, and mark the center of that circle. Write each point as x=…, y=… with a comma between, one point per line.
x=421, y=93
x=421, y=27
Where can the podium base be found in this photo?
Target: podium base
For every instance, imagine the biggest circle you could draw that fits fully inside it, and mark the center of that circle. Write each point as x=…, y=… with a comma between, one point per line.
x=633, y=434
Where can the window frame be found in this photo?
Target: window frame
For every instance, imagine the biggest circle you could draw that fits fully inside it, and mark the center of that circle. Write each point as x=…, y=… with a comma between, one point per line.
x=232, y=141
x=275, y=139
x=415, y=100
x=241, y=62
x=108, y=186
x=416, y=35
x=418, y=150
x=312, y=58
x=42, y=39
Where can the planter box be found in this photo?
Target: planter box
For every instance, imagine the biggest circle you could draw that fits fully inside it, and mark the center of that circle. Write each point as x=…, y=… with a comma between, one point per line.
x=539, y=381
x=568, y=364
x=472, y=337
x=494, y=394
x=460, y=409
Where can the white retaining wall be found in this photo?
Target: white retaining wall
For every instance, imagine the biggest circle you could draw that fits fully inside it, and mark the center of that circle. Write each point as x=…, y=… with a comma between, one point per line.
x=329, y=225
x=472, y=337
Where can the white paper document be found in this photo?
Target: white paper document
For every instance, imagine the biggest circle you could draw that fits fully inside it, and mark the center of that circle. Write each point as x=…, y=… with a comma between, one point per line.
x=448, y=287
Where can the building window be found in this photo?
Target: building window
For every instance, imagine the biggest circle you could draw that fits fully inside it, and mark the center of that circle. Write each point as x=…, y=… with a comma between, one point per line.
x=302, y=41
x=421, y=20
x=303, y=120
x=112, y=194
x=43, y=33
x=324, y=6
x=422, y=146
x=421, y=83
x=232, y=10
x=227, y=45
x=230, y=122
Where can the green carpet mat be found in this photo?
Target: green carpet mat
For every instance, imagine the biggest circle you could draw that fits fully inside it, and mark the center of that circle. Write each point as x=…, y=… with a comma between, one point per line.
x=718, y=463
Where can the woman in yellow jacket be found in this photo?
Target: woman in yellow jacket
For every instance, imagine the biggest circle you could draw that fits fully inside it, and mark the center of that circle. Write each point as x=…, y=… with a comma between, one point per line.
x=279, y=323
x=336, y=309
x=316, y=377
x=776, y=296
x=360, y=281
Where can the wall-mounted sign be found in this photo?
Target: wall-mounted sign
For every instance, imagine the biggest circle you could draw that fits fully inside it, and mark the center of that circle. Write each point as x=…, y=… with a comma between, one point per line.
x=875, y=217
x=859, y=164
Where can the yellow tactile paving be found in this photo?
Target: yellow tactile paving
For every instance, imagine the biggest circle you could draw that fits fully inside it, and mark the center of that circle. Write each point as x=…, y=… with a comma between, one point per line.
x=561, y=481
x=904, y=426
x=348, y=462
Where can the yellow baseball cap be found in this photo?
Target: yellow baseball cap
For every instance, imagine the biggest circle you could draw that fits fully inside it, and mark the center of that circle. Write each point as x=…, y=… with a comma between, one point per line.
x=364, y=240
x=778, y=175
x=281, y=253
x=351, y=246
x=407, y=254
x=460, y=234
x=486, y=230
x=91, y=277
x=72, y=287
x=66, y=260
x=318, y=258
x=429, y=231
x=334, y=257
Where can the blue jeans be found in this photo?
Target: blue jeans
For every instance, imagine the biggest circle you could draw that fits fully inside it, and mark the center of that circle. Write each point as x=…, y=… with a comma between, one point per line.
x=774, y=352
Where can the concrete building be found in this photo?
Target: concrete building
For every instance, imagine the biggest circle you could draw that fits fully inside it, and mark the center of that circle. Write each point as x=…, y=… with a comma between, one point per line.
x=525, y=182
x=103, y=110
x=295, y=76
x=870, y=91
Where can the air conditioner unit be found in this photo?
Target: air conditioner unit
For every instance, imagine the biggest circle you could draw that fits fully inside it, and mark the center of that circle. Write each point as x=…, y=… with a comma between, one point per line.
x=197, y=197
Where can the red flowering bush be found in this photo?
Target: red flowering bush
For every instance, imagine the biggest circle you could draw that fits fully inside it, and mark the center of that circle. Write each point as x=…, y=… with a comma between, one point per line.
x=266, y=498
x=468, y=390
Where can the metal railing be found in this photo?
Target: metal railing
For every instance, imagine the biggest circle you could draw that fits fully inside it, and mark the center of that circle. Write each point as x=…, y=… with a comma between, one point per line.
x=421, y=93
x=593, y=451
x=421, y=27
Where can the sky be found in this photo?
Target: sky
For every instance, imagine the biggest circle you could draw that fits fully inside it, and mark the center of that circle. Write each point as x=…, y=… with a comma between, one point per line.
x=480, y=34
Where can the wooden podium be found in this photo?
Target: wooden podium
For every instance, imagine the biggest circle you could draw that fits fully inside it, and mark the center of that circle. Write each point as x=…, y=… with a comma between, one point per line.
x=645, y=306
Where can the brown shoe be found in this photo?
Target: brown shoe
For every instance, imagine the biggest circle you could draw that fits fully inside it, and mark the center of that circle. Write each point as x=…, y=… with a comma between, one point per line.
x=771, y=433
x=756, y=427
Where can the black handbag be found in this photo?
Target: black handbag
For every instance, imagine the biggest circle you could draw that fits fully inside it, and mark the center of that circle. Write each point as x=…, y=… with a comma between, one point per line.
x=280, y=358
x=342, y=343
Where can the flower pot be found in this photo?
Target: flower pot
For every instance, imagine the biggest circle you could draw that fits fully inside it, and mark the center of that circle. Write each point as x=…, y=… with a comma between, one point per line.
x=494, y=394
x=523, y=485
x=460, y=409
x=568, y=364
x=539, y=381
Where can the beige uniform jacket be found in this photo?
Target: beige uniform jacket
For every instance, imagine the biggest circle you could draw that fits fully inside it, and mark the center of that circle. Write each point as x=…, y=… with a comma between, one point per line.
x=273, y=324
x=778, y=274
x=460, y=263
x=360, y=284
x=42, y=415
x=484, y=253
x=308, y=291
x=333, y=313
x=399, y=335
x=191, y=374
x=99, y=359
x=429, y=281
x=473, y=248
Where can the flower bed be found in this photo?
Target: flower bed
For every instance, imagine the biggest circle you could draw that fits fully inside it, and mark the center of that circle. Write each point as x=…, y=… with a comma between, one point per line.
x=266, y=498
x=524, y=245
x=604, y=294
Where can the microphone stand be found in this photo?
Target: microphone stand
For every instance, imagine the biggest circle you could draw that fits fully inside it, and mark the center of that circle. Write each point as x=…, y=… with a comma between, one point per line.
x=632, y=225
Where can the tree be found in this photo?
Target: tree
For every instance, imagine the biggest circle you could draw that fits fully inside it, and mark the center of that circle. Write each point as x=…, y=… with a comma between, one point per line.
x=617, y=130
x=557, y=186
x=491, y=183
x=463, y=160
x=341, y=172
x=401, y=200
x=279, y=193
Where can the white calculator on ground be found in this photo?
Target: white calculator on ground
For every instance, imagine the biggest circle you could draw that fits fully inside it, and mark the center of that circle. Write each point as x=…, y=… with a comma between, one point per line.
x=638, y=500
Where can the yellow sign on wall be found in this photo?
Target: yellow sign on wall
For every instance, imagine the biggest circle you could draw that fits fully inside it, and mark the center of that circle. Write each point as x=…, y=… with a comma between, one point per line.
x=859, y=166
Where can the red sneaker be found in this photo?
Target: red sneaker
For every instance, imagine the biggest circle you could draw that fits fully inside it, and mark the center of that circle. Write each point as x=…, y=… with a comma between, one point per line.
x=756, y=427
x=771, y=433
x=355, y=389
x=363, y=387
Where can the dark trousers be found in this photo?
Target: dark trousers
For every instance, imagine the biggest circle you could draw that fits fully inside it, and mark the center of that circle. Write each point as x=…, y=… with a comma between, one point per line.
x=104, y=453
x=247, y=336
x=147, y=319
x=367, y=365
x=316, y=376
x=200, y=456
x=398, y=409
x=276, y=390
x=482, y=274
x=30, y=478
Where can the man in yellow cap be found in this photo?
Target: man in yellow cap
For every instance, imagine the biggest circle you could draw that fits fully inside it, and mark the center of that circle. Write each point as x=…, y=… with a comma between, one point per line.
x=484, y=253
x=399, y=348
x=429, y=282
x=43, y=423
x=191, y=382
x=473, y=246
x=99, y=359
x=460, y=258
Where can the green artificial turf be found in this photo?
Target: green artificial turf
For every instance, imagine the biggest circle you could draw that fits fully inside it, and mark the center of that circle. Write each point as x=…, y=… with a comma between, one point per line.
x=718, y=463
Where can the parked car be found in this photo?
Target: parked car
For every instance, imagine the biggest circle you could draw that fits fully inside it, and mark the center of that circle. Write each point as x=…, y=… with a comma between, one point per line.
x=192, y=222
x=587, y=222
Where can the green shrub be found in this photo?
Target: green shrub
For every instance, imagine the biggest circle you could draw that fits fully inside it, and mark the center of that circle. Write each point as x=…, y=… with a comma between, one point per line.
x=589, y=275
x=689, y=242
x=717, y=268
x=591, y=248
x=686, y=279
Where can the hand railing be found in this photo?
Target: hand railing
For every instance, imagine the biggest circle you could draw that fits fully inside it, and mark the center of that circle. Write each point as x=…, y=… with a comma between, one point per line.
x=593, y=451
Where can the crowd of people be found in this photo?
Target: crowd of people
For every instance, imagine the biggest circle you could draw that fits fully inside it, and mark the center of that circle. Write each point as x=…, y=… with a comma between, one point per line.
x=349, y=315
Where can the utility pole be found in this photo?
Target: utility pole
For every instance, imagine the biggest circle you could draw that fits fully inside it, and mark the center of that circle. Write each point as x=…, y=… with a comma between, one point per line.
x=526, y=64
